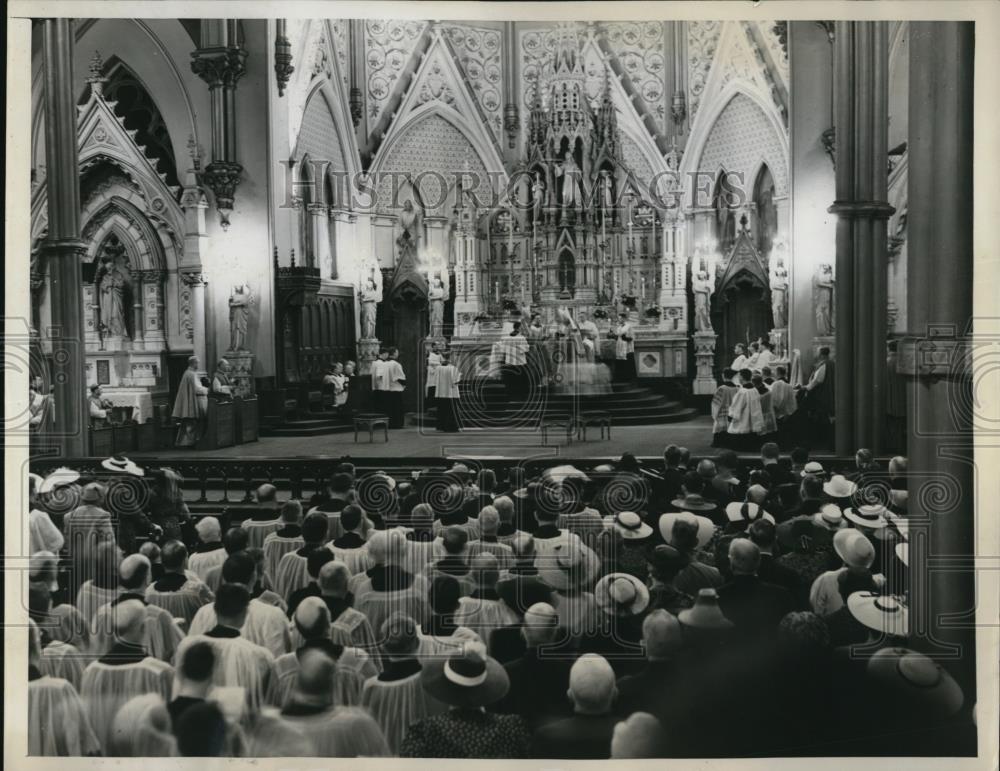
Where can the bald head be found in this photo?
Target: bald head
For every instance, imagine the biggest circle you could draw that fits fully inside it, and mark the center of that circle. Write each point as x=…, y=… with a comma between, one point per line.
x=422, y=516
x=267, y=493
x=523, y=546
x=639, y=736
x=505, y=508
x=133, y=572
x=540, y=624
x=312, y=618
x=661, y=635
x=315, y=676
x=485, y=568
x=592, y=685
x=386, y=547
x=209, y=530
x=744, y=557
x=130, y=621
x=333, y=579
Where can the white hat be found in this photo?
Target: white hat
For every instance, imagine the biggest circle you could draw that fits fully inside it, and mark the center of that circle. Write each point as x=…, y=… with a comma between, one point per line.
x=917, y=681
x=706, y=529
x=812, y=467
x=621, y=594
x=903, y=552
x=746, y=512
x=882, y=612
x=870, y=515
x=902, y=524
x=853, y=548
x=839, y=486
x=830, y=516
x=389, y=480
x=59, y=478
x=122, y=465
x=629, y=524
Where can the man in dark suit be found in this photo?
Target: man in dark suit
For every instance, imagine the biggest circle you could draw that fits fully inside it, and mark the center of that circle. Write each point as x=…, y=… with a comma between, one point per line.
x=539, y=678
x=765, y=535
x=587, y=734
x=780, y=471
x=673, y=477
x=754, y=607
x=653, y=688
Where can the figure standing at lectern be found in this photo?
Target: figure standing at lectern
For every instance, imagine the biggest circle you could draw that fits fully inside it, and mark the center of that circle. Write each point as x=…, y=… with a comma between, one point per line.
x=191, y=406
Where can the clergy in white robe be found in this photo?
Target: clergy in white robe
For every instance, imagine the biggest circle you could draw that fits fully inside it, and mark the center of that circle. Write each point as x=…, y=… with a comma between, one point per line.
x=293, y=569
x=745, y=411
x=396, y=698
x=740, y=362
x=310, y=707
x=43, y=534
x=177, y=592
x=265, y=624
x=333, y=580
x=721, y=402
x=209, y=552
x=58, y=724
x=287, y=538
x=124, y=672
x=397, y=384
x=351, y=547
x=783, y=397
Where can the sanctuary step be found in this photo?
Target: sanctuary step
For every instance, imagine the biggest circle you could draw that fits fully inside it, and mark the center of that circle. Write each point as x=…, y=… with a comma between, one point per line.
x=484, y=404
x=316, y=424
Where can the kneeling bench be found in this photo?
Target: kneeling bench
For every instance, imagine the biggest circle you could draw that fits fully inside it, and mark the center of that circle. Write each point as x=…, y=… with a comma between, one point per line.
x=371, y=420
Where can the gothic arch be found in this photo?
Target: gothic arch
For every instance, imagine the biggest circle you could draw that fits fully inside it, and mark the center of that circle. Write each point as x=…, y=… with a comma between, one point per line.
x=119, y=216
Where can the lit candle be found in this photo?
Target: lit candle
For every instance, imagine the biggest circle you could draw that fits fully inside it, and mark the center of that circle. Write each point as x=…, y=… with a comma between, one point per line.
x=496, y=289
x=510, y=237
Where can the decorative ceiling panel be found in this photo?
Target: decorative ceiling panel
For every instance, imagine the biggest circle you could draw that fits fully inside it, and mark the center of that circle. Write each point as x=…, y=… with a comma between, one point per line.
x=478, y=51
x=639, y=48
x=389, y=45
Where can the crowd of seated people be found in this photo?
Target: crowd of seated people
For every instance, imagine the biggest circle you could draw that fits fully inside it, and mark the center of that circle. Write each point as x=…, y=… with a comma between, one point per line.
x=712, y=607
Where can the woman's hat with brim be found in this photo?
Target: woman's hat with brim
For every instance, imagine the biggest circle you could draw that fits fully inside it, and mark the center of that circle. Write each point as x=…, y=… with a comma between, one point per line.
x=59, y=478
x=746, y=512
x=621, y=594
x=122, y=465
x=693, y=502
x=871, y=516
x=884, y=613
x=916, y=681
x=812, y=467
x=706, y=613
x=902, y=524
x=568, y=565
x=830, y=517
x=854, y=548
x=706, y=529
x=839, y=486
x=803, y=534
x=629, y=524
x=560, y=474
x=468, y=678
x=389, y=481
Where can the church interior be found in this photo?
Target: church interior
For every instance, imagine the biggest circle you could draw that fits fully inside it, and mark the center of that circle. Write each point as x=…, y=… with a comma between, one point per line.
x=388, y=262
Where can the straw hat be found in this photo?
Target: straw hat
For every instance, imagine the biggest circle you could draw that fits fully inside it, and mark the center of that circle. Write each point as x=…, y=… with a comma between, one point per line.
x=468, y=678
x=706, y=613
x=693, y=502
x=871, y=516
x=568, y=564
x=122, y=465
x=629, y=524
x=706, y=529
x=830, y=516
x=884, y=613
x=746, y=512
x=621, y=594
x=853, y=548
x=917, y=681
x=812, y=467
x=388, y=479
x=839, y=486
x=562, y=473
x=59, y=478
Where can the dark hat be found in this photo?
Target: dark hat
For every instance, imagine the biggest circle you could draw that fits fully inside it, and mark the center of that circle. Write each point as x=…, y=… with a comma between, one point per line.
x=802, y=534
x=469, y=678
x=521, y=592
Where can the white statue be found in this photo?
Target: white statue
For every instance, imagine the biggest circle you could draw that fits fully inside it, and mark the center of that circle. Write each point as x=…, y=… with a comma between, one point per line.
x=371, y=296
x=779, y=293
x=703, y=286
x=111, y=280
x=538, y=195
x=239, y=314
x=572, y=188
x=437, y=293
x=823, y=284
x=412, y=221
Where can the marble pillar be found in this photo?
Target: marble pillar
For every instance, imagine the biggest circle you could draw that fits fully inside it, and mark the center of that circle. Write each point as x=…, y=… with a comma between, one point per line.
x=861, y=120
x=63, y=249
x=934, y=354
x=318, y=218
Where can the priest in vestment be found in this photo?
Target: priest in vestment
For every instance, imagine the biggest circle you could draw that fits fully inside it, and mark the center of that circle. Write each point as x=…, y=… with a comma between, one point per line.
x=721, y=401
x=446, y=387
x=191, y=406
x=747, y=418
x=397, y=384
x=624, y=349
x=222, y=386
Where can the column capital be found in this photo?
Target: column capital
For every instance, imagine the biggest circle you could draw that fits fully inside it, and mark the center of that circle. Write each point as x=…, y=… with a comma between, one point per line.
x=222, y=66
x=192, y=277
x=881, y=210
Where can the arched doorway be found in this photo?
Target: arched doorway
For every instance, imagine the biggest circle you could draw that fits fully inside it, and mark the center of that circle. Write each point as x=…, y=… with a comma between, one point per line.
x=741, y=313
x=567, y=274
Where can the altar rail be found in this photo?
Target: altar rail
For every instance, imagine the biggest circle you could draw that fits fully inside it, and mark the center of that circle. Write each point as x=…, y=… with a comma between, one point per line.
x=232, y=481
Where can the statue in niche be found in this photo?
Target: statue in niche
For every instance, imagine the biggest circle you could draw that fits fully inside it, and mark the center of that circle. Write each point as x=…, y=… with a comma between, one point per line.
x=572, y=186
x=239, y=315
x=538, y=196
x=823, y=285
x=437, y=293
x=779, y=293
x=371, y=296
x=111, y=280
x=412, y=221
x=703, y=287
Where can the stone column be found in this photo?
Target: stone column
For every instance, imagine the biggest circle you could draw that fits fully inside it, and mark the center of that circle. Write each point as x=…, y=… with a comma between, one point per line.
x=942, y=501
x=194, y=285
x=861, y=120
x=63, y=249
x=152, y=298
x=318, y=215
